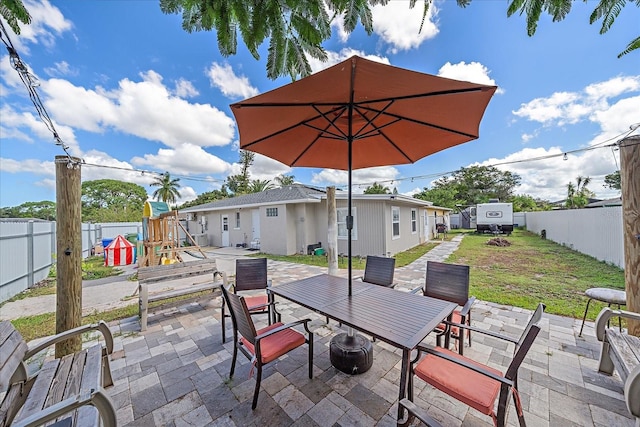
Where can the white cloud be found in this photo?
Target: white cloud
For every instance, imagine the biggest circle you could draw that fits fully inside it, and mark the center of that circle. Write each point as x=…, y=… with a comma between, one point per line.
x=185, y=159
x=185, y=89
x=335, y=57
x=563, y=108
x=230, y=84
x=145, y=109
x=47, y=23
x=263, y=167
x=361, y=178
x=61, y=69
x=34, y=166
x=473, y=72
x=396, y=24
x=399, y=25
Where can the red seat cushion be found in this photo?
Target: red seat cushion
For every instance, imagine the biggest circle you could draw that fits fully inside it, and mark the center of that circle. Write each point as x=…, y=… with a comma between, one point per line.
x=470, y=387
x=277, y=344
x=455, y=318
x=256, y=300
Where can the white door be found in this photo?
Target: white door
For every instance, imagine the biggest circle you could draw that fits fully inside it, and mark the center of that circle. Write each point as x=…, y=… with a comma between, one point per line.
x=255, y=224
x=225, y=231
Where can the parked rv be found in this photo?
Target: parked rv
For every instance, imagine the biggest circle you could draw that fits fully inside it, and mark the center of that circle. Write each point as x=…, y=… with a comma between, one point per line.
x=494, y=217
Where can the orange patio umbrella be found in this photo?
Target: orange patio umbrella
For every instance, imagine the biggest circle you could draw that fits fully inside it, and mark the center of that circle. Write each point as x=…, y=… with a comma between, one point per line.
x=359, y=114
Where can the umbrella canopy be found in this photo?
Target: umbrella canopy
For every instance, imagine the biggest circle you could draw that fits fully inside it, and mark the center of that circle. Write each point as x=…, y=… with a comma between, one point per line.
x=359, y=114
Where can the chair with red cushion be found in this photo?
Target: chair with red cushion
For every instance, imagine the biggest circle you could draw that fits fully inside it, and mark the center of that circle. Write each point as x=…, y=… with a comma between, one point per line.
x=450, y=282
x=251, y=275
x=263, y=345
x=473, y=383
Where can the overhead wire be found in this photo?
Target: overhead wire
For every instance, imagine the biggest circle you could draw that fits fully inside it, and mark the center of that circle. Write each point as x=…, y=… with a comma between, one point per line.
x=31, y=83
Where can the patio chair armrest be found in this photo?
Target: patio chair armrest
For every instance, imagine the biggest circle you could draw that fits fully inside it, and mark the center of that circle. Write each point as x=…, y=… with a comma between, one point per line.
x=463, y=362
x=467, y=307
x=482, y=331
x=415, y=291
x=101, y=326
x=255, y=307
x=419, y=413
x=606, y=314
x=283, y=327
x=361, y=278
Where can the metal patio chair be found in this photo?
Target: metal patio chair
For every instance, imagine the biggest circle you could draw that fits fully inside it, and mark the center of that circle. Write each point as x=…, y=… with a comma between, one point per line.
x=471, y=382
x=263, y=345
x=251, y=275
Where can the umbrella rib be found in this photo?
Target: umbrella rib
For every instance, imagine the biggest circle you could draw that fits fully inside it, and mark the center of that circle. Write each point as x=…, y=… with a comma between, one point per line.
x=322, y=132
x=303, y=123
x=420, y=122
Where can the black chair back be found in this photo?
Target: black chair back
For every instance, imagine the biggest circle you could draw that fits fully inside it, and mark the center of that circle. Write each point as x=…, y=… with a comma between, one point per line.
x=449, y=282
x=379, y=270
x=251, y=273
x=240, y=315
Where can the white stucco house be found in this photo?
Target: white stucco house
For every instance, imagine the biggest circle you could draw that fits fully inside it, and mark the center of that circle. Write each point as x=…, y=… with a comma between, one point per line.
x=286, y=220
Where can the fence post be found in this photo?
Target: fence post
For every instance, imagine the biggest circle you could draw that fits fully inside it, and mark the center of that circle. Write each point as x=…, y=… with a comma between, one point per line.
x=52, y=236
x=30, y=255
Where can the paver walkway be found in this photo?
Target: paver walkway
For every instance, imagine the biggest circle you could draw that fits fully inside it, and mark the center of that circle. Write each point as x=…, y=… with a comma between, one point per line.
x=176, y=373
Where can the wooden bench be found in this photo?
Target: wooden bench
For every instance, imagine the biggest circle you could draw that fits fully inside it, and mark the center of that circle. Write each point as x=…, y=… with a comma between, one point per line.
x=157, y=274
x=68, y=390
x=622, y=352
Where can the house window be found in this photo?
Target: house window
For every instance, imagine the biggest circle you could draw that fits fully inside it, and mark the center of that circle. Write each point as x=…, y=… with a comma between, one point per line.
x=414, y=221
x=395, y=222
x=343, y=233
x=237, y=220
x=272, y=211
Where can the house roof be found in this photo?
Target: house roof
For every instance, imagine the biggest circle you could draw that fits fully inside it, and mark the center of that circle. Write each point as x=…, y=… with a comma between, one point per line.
x=616, y=201
x=296, y=193
x=290, y=193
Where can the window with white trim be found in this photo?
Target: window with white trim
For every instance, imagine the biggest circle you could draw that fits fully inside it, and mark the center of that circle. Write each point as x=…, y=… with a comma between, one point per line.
x=414, y=221
x=237, y=220
x=272, y=211
x=343, y=233
x=395, y=222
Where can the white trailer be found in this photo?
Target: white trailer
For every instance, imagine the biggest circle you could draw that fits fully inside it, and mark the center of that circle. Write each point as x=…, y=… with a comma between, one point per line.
x=495, y=214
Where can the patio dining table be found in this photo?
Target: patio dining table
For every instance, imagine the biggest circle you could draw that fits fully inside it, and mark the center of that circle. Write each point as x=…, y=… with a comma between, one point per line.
x=401, y=319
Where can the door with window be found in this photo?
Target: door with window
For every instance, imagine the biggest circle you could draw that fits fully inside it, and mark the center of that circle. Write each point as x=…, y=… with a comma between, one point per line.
x=225, y=230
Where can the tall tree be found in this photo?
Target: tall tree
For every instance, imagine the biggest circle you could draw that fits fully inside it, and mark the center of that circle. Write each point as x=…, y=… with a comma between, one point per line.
x=376, y=189
x=239, y=184
x=297, y=29
x=284, y=180
x=108, y=200
x=168, y=188
x=41, y=210
x=472, y=185
x=578, y=195
x=613, y=181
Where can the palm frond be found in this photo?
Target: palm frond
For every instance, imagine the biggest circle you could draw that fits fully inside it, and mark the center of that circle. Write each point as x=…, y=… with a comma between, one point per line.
x=558, y=9
x=635, y=44
x=608, y=10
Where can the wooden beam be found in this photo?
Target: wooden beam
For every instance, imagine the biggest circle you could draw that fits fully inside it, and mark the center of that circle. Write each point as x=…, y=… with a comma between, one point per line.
x=68, y=252
x=630, y=184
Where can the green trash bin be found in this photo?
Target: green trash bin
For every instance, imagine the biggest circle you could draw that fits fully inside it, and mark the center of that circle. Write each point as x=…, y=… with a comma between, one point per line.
x=318, y=251
x=132, y=237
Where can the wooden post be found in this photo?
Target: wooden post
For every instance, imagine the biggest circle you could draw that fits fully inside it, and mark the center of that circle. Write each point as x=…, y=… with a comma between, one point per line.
x=630, y=184
x=68, y=252
x=332, y=231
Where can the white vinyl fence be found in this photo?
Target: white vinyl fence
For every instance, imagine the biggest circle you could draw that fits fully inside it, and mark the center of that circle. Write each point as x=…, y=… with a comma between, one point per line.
x=597, y=232
x=27, y=249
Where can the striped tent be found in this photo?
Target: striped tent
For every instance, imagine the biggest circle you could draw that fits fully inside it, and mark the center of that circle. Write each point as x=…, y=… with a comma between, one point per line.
x=119, y=252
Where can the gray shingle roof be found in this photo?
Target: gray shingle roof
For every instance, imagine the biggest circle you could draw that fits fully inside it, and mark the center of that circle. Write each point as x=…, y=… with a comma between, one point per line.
x=276, y=195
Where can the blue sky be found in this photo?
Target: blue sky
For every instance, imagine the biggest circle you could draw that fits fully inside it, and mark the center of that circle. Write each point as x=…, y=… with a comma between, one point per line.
x=130, y=91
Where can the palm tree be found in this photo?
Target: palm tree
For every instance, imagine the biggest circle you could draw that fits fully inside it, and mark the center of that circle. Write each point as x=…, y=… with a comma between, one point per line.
x=298, y=30
x=377, y=189
x=284, y=180
x=258, y=185
x=578, y=195
x=168, y=191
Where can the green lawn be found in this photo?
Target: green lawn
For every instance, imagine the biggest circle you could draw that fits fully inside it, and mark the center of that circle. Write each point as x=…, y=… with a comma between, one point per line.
x=534, y=270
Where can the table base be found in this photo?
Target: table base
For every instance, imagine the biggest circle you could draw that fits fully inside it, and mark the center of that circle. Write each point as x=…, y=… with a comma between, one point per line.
x=351, y=354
